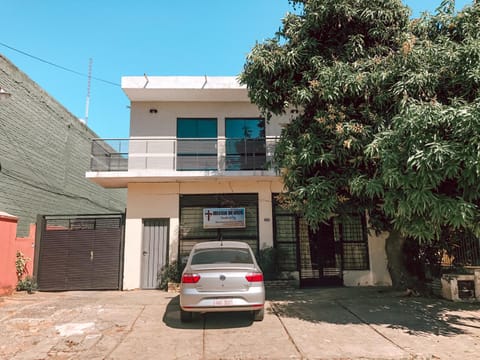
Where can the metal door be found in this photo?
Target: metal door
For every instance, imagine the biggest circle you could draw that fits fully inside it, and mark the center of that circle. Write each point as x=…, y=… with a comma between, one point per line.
x=79, y=252
x=154, y=251
x=320, y=255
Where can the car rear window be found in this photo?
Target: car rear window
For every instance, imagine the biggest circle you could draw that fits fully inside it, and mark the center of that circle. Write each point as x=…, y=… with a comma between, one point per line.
x=222, y=256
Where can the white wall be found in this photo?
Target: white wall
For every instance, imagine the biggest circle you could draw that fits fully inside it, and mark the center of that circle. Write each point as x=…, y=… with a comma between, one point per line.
x=378, y=274
x=147, y=201
x=161, y=200
x=164, y=122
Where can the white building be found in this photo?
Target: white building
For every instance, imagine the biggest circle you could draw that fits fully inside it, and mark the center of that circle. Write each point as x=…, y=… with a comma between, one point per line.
x=199, y=151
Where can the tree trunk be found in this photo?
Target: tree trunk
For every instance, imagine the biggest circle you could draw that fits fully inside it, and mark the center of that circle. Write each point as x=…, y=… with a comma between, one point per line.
x=396, y=266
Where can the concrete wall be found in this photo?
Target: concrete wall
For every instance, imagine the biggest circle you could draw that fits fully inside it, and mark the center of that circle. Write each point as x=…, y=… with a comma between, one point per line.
x=378, y=274
x=26, y=245
x=162, y=201
x=8, y=276
x=9, y=245
x=45, y=152
x=164, y=122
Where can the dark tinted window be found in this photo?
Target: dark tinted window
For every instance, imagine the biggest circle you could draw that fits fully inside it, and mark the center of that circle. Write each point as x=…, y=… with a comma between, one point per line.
x=196, y=144
x=222, y=256
x=196, y=128
x=245, y=128
x=245, y=144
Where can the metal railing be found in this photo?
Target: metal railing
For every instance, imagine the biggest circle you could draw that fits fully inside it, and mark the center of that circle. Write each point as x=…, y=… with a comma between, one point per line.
x=181, y=154
x=465, y=251
x=109, y=155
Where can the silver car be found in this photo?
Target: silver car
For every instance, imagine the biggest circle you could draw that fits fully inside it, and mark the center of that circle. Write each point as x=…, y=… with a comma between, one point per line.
x=222, y=276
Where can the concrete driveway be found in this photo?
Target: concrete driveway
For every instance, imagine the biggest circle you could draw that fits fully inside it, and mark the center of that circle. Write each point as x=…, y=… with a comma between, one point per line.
x=333, y=323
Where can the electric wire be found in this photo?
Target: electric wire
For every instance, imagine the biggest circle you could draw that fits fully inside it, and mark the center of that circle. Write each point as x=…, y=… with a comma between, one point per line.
x=58, y=66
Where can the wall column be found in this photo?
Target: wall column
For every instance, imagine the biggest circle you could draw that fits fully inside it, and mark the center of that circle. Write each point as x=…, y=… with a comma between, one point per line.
x=265, y=215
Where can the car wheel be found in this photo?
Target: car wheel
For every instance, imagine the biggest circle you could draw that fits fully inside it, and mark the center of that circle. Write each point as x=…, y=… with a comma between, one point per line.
x=258, y=315
x=185, y=316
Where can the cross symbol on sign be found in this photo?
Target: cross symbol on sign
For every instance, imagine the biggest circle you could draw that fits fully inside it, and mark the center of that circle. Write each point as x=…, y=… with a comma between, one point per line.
x=208, y=213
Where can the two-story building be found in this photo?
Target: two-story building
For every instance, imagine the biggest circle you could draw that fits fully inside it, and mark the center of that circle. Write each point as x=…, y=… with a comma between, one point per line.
x=198, y=166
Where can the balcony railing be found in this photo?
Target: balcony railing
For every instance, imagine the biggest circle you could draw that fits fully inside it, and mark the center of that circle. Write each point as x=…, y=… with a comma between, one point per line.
x=206, y=154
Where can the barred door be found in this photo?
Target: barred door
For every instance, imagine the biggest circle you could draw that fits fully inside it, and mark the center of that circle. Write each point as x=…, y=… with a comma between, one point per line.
x=320, y=255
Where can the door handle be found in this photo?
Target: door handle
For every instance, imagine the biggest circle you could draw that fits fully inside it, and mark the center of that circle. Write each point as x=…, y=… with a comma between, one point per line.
x=145, y=253
x=91, y=255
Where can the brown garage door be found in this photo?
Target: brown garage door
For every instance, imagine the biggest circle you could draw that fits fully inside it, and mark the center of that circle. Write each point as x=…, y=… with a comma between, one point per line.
x=79, y=253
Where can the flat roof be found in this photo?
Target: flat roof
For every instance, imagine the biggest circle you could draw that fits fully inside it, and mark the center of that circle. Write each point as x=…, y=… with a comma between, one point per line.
x=184, y=88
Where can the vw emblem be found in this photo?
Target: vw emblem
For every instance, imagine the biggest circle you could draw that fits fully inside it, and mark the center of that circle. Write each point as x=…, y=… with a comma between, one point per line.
x=222, y=277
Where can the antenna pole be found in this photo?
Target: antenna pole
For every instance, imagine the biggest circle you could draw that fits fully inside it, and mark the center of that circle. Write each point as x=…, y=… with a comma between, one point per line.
x=87, y=105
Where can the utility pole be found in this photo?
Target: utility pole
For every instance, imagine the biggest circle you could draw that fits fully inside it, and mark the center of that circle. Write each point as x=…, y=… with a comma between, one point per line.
x=87, y=105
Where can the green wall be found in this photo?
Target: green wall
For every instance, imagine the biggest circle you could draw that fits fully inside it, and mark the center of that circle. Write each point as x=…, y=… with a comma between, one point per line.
x=44, y=154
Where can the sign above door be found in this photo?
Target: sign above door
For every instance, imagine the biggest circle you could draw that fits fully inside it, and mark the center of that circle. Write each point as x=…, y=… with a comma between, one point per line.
x=223, y=218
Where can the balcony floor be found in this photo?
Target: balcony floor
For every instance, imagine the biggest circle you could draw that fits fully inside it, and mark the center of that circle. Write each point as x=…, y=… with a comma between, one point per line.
x=121, y=179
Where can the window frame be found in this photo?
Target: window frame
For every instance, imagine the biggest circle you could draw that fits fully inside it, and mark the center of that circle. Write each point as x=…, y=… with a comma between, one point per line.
x=254, y=156
x=205, y=147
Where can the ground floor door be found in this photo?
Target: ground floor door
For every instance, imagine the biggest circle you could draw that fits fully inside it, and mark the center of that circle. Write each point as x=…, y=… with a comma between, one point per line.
x=320, y=255
x=154, y=251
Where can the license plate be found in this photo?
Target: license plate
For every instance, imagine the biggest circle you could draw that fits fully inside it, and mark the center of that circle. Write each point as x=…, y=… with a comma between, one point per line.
x=223, y=302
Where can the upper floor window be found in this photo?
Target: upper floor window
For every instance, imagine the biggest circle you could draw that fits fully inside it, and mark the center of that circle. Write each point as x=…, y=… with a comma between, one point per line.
x=196, y=128
x=196, y=144
x=245, y=144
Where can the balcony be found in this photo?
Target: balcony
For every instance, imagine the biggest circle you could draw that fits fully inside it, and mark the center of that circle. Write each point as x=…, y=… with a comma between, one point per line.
x=174, y=159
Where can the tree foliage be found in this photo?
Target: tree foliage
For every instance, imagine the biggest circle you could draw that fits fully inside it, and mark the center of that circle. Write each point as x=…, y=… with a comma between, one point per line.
x=428, y=157
x=385, y=112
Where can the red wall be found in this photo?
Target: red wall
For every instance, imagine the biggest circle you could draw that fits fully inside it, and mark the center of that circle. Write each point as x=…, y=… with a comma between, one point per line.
x=26, y=245
x=8, y=230
x=9, y=245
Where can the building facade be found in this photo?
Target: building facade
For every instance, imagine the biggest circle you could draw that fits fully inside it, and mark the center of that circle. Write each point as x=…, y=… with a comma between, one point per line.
x=44, y=155
x=198, y=166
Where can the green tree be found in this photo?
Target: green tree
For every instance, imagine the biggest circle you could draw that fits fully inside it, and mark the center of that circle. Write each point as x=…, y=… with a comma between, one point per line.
x=360, y=79
x=428, y=169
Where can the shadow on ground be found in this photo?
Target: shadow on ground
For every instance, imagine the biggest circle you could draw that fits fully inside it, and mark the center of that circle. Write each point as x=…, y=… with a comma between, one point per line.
x=374, y=306
x=221, y=320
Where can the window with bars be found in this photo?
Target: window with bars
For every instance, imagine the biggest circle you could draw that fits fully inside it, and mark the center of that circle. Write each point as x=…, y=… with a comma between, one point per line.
x=352, y=232
x=285, y=242
x=285, y=237
x=191, y=229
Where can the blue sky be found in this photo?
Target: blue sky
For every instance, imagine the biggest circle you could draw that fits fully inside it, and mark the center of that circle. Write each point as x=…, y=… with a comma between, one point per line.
x=130, y=38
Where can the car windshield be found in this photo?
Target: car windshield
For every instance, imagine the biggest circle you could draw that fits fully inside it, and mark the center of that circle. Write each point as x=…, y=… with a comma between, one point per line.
x=222, y=256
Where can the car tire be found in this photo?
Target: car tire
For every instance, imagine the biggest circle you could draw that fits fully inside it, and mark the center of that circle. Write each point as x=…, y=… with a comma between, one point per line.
x=258, y=315
x=185, y=316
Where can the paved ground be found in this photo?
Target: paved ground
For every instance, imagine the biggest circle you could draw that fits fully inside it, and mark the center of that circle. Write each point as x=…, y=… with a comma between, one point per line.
x=334, y=323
